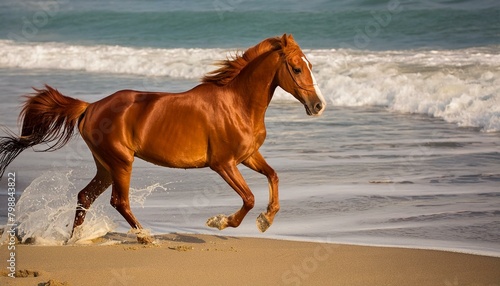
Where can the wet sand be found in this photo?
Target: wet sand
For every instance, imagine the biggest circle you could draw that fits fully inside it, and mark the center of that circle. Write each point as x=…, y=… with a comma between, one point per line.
x=186, y=259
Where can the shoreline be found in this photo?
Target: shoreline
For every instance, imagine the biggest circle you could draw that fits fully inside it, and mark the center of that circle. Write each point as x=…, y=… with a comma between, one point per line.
x=197, y=259
x=462, y=250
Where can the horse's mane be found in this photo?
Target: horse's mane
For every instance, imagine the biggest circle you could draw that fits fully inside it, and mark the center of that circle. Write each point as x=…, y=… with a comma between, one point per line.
x=231, y=67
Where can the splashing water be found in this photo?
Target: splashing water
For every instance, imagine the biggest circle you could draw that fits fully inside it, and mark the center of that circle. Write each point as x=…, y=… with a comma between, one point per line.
x=46, y=210
x=138, y=196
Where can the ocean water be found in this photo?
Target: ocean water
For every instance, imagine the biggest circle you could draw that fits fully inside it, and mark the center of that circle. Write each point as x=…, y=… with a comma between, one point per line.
x=407, y=152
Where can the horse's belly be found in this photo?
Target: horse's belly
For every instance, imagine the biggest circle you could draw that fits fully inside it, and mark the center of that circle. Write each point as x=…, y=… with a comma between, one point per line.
x=175, y=153
x=179, y=160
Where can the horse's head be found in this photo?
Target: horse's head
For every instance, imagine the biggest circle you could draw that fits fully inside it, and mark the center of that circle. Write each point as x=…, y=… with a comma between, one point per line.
x=295, y=77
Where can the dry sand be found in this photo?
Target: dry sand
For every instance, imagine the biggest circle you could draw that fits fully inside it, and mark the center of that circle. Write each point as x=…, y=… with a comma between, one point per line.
x=185, y=259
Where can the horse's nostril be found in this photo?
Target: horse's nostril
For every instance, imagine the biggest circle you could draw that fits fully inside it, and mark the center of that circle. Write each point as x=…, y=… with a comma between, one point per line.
x=318, y=107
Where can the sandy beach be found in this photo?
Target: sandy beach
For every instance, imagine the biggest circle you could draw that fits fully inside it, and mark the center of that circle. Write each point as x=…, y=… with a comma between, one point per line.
x=405, y=157
x=186, y=259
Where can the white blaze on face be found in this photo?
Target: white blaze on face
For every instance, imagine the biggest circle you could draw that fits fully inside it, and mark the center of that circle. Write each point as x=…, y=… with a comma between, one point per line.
x=315, y=84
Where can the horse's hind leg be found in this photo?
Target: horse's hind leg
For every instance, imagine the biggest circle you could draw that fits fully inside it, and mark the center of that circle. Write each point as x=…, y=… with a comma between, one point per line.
x=120, y=199
x=233, y=177
x=100, y=182
x=257, y=163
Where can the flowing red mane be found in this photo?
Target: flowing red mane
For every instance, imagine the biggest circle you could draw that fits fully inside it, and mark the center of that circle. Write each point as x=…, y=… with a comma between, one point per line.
x=230, y=68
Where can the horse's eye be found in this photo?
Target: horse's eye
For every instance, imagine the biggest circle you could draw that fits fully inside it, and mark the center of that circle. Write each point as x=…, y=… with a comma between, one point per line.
x=297, y=70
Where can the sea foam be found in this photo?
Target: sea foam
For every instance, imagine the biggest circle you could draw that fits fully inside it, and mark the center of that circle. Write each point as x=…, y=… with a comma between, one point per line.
x=459, y=86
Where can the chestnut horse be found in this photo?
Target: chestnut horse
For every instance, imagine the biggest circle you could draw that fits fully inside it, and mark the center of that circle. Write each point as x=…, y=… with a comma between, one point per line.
x=217, y=124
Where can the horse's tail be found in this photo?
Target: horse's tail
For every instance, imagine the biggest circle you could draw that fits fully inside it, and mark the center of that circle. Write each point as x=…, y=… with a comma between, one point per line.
x=47, y=116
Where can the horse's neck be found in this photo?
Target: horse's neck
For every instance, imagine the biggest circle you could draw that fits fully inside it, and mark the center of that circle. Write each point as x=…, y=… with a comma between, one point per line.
x=256, y=84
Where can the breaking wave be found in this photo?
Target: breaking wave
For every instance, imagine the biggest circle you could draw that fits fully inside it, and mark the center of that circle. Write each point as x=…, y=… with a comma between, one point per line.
x=459, y=86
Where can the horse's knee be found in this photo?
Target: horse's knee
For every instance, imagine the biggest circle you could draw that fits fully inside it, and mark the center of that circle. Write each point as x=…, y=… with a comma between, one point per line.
x=273, y=178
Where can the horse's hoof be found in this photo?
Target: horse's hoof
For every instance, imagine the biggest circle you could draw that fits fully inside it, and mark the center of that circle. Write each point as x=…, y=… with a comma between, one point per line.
x=76, y=235
x=146, y=239
x=143, y=235
x=263, y=223
x=219, y=221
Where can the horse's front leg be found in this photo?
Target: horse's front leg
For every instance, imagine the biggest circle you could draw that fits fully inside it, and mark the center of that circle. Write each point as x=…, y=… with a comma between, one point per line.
x=233, y=177
x=257, y=163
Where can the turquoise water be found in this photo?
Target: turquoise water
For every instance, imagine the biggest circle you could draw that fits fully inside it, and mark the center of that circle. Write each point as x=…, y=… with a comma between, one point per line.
x=372, y=25
x=407, y=152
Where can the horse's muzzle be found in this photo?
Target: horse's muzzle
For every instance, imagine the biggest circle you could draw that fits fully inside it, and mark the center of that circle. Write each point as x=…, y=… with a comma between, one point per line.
x=315, y=109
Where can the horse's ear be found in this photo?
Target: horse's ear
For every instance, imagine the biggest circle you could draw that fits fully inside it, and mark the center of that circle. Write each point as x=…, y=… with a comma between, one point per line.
x=284, y=40
x=287, y=40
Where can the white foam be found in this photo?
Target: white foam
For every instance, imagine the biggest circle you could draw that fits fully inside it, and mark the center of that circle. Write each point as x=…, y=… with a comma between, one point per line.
x=177, y=63
x=460, y=86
